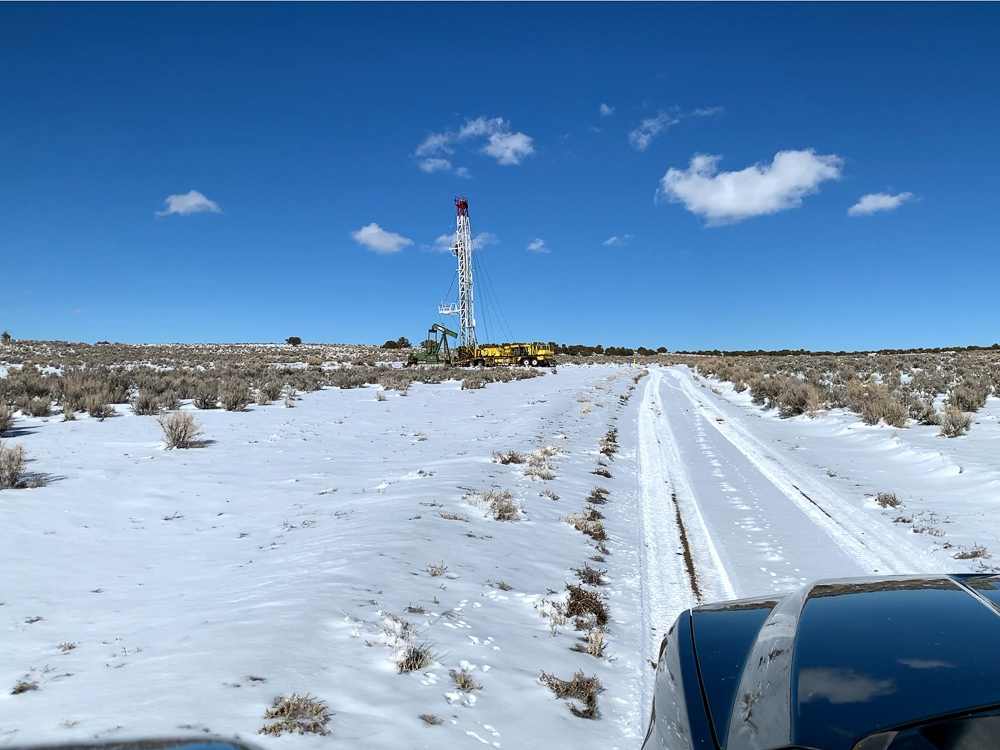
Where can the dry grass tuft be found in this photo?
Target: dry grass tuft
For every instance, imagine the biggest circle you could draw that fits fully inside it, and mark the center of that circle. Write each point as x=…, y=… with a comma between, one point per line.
x=582, y=688
x=978, y=552
x=549, y=494
x=437, y=569
x=888, y=500
x=602, y=472
x=591, y=576
x=598, y=496
x=67, y=646
x=463, y=680
x=296, y=715
x=587, y=607
x=609, y=443
x=502, y=505
x=453, y=516
x=23, y=686
x=431, y=719
x=592, y=528
x=592, y=643
x=510, y=457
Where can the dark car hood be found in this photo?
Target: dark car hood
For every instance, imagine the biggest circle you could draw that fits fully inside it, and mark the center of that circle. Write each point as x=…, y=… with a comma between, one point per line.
x=842, y=659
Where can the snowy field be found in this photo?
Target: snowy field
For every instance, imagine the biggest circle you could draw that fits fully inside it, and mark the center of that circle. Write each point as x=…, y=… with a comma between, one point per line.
x=148, y=592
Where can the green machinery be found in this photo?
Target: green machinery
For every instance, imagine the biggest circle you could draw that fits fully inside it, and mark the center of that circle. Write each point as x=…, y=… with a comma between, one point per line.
x=436, y=350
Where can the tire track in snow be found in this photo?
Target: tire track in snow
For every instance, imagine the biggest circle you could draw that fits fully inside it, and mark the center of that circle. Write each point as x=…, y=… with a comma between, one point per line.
x=874, y=547
x=672, y=527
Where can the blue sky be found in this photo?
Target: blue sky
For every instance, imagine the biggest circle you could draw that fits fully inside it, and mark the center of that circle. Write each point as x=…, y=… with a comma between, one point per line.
x=722, y=145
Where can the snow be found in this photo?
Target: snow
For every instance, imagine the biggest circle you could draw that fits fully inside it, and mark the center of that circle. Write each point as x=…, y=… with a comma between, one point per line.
x=198, y=585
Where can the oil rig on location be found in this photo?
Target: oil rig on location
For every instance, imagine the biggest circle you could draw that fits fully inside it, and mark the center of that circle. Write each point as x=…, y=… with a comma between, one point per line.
x=468, y=352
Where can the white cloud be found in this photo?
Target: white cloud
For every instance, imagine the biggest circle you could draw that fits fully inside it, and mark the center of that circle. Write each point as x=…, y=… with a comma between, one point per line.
x=617, y=241
x=435, y=143
x=509, y=148
x=869, y=204
x=729, y=197
x=189, y=203
x=445, y=242
x=504, y=145
x=434, y=164
x=642, y=136
x=606, y=111
x=481, y=126
x=537, y=246
x=484, y=239
x=376, y=239
x=707, y=111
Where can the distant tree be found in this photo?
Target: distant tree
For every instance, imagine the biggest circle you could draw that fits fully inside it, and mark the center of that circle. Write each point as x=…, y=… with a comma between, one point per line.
x=390, y=344
x=403, y=343
x=293, y=340
x=661, y=350
x=5, y=337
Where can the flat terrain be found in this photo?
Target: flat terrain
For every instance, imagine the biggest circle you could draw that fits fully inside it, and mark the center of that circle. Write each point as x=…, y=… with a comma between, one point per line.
x=149, y=592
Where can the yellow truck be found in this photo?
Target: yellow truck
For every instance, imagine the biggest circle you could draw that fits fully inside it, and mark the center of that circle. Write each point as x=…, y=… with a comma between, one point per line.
x=491, y=355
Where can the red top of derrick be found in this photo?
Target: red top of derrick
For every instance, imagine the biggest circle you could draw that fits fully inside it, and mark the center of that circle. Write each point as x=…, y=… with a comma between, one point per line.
x=462, y=205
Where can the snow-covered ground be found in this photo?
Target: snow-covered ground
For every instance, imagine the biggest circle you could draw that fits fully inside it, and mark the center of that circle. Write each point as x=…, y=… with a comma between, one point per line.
x=198, y=585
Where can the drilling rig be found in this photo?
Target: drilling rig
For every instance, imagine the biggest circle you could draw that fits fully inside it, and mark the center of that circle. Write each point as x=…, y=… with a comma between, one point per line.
x=469, y=352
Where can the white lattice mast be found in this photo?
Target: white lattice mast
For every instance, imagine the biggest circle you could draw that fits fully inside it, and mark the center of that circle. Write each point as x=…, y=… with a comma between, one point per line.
x=463, y=250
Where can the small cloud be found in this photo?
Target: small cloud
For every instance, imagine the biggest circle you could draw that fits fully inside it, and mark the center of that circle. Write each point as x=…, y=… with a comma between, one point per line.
x=189, y=203
x=434, y=164
x=77, y=311
x=874, y=202
x=504, y=145
x=729, y=197
x=617, y=241
x=708, y=111
x=642, y=136
x=446, y=242
x=376, y=239
x=537, y=246
x=509, y=148
x=435, y=143
x=606, y=111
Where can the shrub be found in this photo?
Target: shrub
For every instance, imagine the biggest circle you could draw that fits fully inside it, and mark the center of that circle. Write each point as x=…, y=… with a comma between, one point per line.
x=234, y=394
x=969, y=396
x=180, y=430
x=954, y=422
x=11, y=467
x=146, y=404
x=581, y=687
x=296, y=715
x=878, y=405
x=797, y=397
x=40, y=406
x=6, y=418
x=293, y=340
x=97, y=406
x=923, y=412
x=206, y=395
